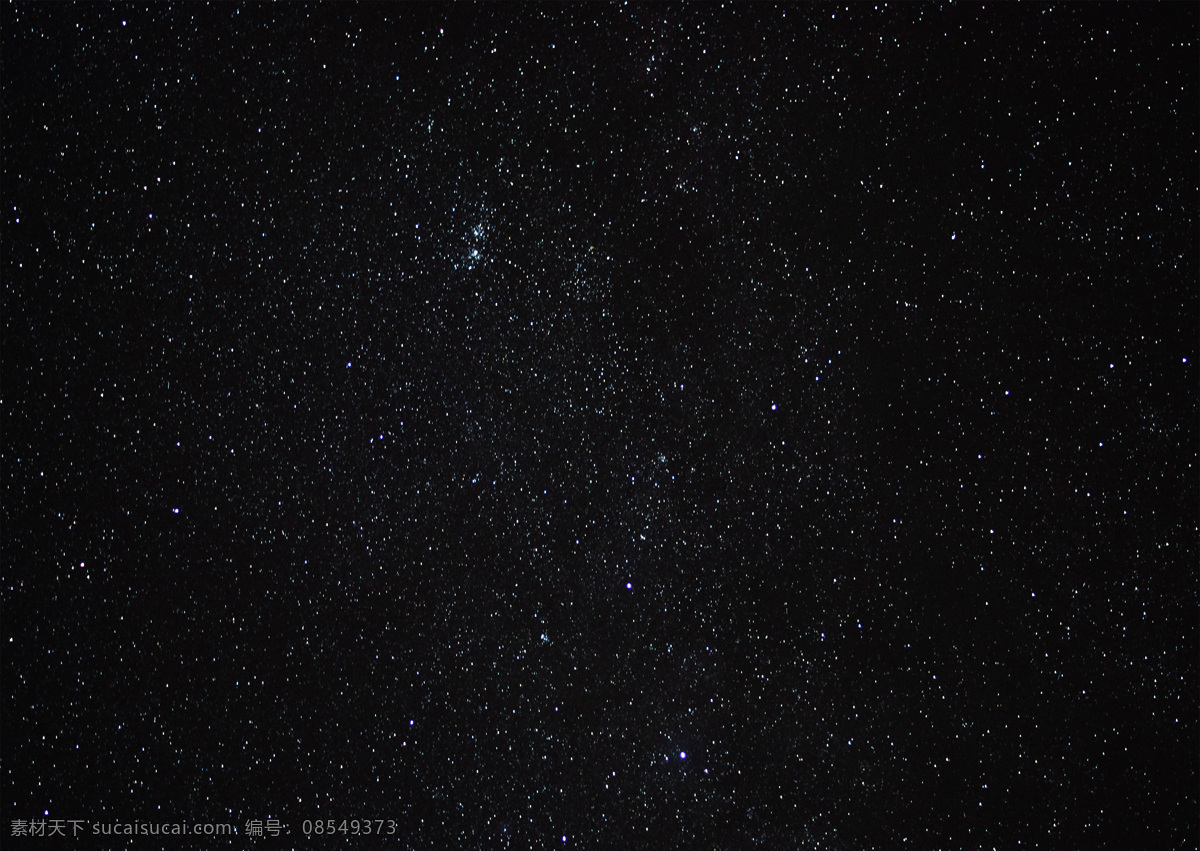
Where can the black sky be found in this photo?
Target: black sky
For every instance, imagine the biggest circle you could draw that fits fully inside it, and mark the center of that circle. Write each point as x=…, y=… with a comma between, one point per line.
x=452, y=415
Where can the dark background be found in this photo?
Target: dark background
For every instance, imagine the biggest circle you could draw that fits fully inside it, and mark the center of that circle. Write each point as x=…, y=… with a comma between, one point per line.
x=452, y=414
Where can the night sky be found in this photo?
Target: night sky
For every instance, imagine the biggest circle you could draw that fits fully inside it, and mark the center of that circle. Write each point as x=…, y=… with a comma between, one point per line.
x=603, y=426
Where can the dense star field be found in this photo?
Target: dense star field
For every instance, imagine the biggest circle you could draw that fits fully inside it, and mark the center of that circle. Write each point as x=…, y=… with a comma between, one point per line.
x=603, y=426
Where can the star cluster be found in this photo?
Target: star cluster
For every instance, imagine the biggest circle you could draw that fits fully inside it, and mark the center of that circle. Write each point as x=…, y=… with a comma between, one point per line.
x=609, y=426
